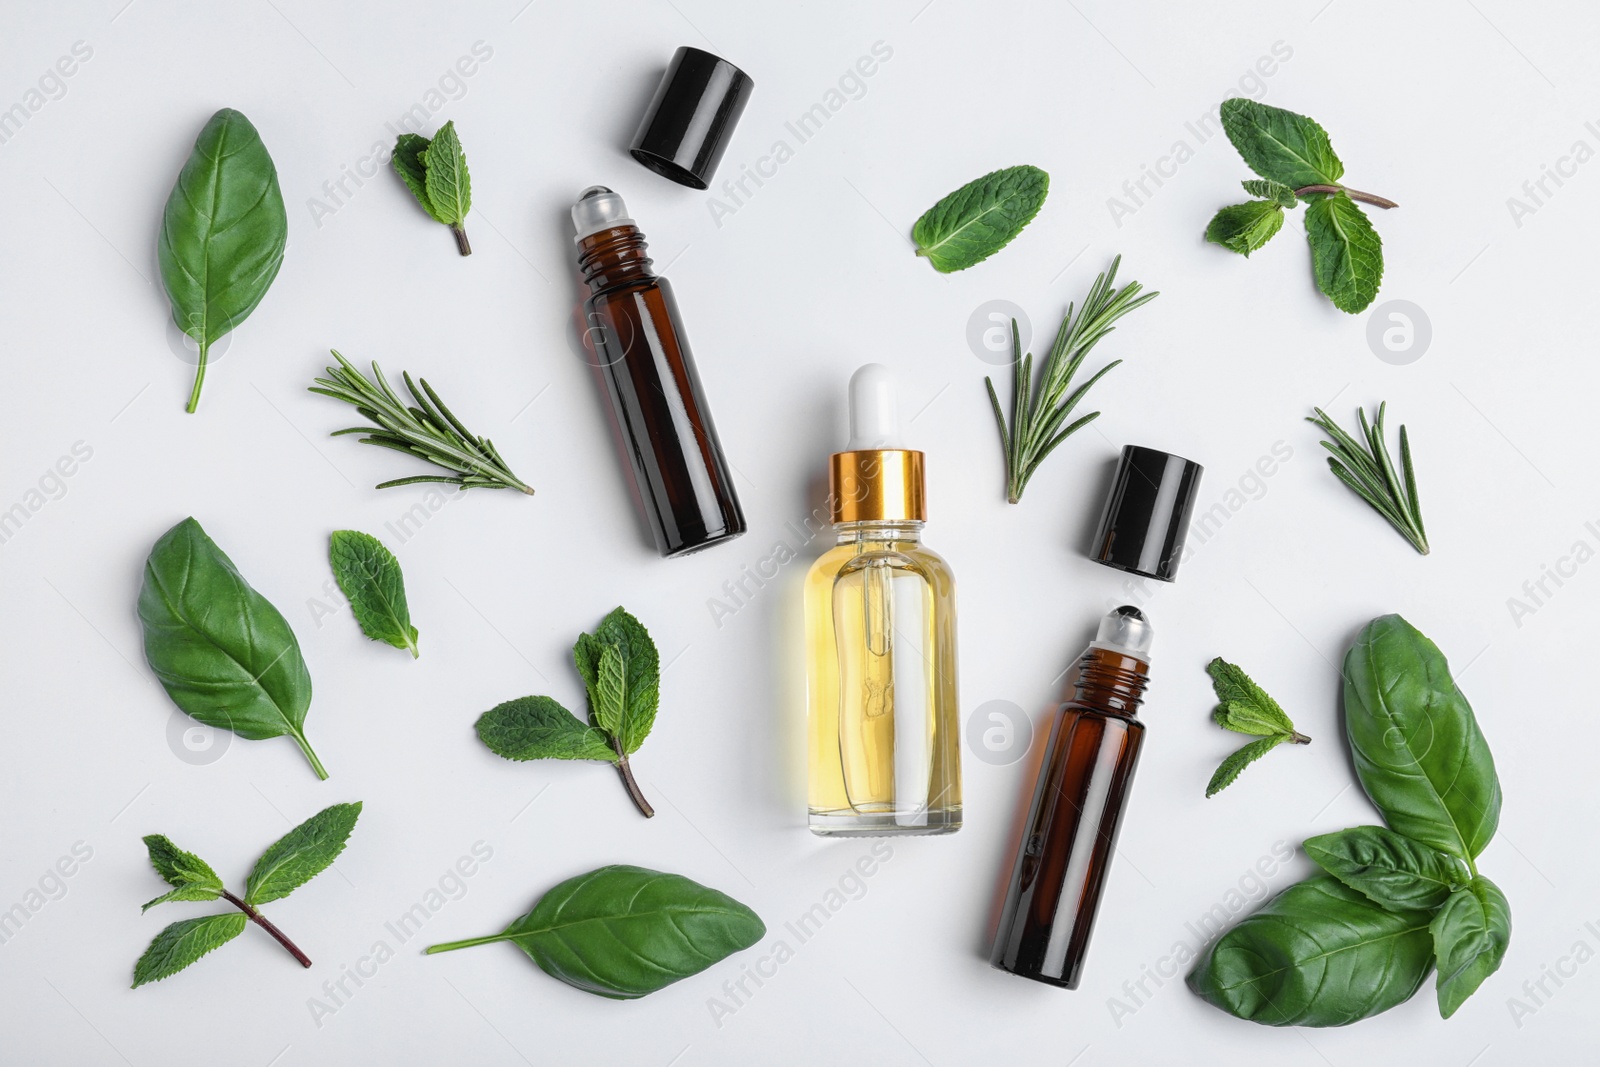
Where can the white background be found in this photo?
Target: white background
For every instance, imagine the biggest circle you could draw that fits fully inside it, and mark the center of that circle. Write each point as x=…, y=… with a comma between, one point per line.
x=1447, y=107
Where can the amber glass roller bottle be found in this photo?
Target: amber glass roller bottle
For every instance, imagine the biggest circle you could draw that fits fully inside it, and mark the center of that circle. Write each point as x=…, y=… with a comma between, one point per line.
x=1071, y=834
x=632, y=322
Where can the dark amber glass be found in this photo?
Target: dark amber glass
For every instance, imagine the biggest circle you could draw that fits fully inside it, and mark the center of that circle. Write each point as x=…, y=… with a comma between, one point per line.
x=1071, y=834
x=683, y=480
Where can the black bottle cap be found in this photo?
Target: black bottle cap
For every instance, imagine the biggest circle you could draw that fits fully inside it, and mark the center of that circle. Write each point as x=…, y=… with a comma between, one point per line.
x=1146, y=518
x=687, y=125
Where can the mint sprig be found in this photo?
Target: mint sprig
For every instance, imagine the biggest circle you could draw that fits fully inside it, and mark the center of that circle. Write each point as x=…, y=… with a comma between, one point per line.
x=1297, y=164
x=622, y=673
x=1245, y=708
x=291, y=862
x=436, y=173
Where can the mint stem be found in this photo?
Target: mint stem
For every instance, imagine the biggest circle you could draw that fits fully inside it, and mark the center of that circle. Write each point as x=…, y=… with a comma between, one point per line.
x=266, y=924
x=1354, y=194
x=1298, y=738
x=462, y=244
x=627, y=780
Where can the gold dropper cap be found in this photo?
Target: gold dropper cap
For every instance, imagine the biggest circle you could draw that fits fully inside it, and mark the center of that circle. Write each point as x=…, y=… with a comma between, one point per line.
x=876, y=485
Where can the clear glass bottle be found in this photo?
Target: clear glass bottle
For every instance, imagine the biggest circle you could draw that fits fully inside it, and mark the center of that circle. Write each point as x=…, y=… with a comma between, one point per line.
x=882, y=707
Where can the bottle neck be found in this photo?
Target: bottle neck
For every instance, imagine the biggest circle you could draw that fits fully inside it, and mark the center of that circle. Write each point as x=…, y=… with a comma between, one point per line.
x=1110, y=681
x=614, y=256
x=902, y=530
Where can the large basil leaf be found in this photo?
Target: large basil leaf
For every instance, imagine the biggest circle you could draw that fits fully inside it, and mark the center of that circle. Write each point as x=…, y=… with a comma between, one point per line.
x=1387, y=868
x=1417, y=747
x=222, y=234
x=224, y=654
x=624, y=932
x=1318, y=954
x=1470, y=936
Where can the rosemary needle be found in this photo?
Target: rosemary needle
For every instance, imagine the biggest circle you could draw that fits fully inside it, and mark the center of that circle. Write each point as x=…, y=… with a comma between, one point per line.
x=1366, y=467
x=427, y=429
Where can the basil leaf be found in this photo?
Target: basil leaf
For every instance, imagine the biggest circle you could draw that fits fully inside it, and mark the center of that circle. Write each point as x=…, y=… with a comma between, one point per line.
x=1346, y=252
x=1416, y=744
x=1470, y=936
x=224, y=654
x=540, y=728
x=1267, y=189
x=1230, y=767
x=370, y=578
x=1389, y=869
x=222, y=234
x=1318, y=954
x=625, y=932
x=193, y=877
x=448, y=183
x=301, y=854
x=407, y=162
x=1243, y=228
x=1245, y=707
x=184, y=942
x=980, y=218
x=1280, y=145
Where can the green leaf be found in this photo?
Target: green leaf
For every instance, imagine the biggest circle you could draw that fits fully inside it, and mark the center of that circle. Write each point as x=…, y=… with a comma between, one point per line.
x=449, y=186
x=1416, y=744
x=224, y=654
x=1389, y=869
x=1267, y=189
x=640, y=677
x=184, y=942
x=611, y=691
x=1346, y=252
x=222, y=234
x=301, y=854
x=1230, y=768
x=1280, y=145
x=1318, y=954
x=192, y=876
x=980, y=218
x=370, y=578
x=625, y=932
x=1245, y=707
x=1243, y=228
x=408, y=163
x=1470, y=936
x=539, y=728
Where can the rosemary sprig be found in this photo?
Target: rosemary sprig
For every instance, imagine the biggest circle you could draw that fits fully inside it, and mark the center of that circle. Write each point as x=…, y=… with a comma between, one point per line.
x=1039, y=409
x=1365, y=466
x=427, y=430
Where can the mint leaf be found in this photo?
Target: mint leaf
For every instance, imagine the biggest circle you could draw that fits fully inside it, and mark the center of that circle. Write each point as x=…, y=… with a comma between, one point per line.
x=193, y=877
x=370, y=578
x=539, y=728
x=184, y=942
x=1245, y=707
x=301, y=854
x=1230, y=768
x=1470, y=936
x=1267, y=189
x=1244, y=228
x=980, y=218
x=1346, y=252
x=642, y=676
x=407, y=162
x=1389, y=869
x=1280, y=145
